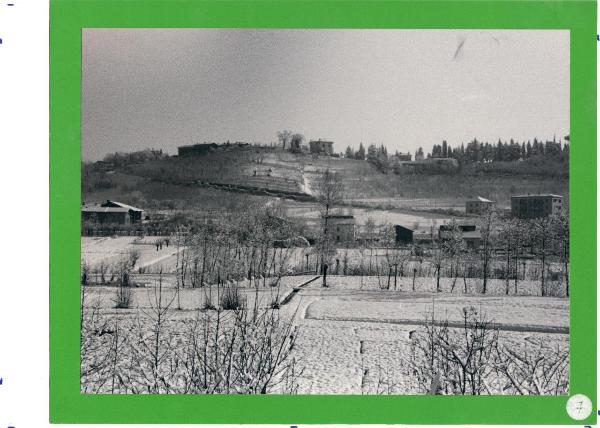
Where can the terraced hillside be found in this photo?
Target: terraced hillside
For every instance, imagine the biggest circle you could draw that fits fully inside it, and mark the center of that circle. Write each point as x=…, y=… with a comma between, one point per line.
x=259, y=172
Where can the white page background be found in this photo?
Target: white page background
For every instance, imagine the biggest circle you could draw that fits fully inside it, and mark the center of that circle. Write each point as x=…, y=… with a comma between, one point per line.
x=24, y=215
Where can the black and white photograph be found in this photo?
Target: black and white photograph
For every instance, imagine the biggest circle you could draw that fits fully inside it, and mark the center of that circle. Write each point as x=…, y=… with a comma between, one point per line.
x=325, y=211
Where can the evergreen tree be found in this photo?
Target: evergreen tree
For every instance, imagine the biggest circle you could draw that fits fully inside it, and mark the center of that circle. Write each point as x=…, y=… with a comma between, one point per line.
x=349, y=153
x=360, y=153
x=372, y=152
x=419, y=154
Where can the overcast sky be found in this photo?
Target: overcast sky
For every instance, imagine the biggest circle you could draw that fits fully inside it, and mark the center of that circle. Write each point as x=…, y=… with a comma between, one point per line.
x=161, y=88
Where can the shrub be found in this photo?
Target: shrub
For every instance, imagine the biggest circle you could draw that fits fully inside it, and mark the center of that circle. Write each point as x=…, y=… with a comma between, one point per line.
x=124, y=297
x=232, y=299
x=454, y=362
x=85, y=272
x=208, y=305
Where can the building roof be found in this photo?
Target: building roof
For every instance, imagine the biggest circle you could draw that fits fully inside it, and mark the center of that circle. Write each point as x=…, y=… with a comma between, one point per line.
x=446, y=226
x=198, y=145
x=475, y=234
x=539, y=195
x=404, y=227
x=99, y=209
x=110, y=203
x=479, y=199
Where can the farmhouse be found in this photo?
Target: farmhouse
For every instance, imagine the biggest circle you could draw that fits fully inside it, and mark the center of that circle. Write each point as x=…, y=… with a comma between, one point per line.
x=405, y=157
x=404, y=235
x=469, y=234
x=111, y=212
x=478, y=205
x=431, y=165
x=321, y=147
x=341, y=227
x=536, y=206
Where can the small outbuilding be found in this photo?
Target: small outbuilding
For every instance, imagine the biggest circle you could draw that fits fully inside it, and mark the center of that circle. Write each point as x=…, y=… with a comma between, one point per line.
x=404, y=235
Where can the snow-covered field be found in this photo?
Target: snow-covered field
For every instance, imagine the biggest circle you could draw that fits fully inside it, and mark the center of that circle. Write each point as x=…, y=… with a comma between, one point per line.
x=95, y=250
x=354, y=338
x=354, y=341
x=422, y=221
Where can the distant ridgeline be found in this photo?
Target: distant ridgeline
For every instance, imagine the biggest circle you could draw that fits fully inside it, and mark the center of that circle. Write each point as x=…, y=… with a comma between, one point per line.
x=530, y=158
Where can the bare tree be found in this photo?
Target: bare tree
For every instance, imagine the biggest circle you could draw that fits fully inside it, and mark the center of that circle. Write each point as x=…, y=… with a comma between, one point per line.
x=154, y=345
x=284, y=137
x=507, y=238
x=543, y=240
x=328, y=189
x=296, y=143
x=561, y=231
x=520, y=236
x=437, y=256
x=455, y=362
x=487, y=224
x=181, y=236
x=453, y=248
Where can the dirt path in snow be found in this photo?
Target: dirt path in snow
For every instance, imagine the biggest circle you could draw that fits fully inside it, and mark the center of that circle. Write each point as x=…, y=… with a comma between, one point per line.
x=159, y=259
x=304, y=183
x=453, y=324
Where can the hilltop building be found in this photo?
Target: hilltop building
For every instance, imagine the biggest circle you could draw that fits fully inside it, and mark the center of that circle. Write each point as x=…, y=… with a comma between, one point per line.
x=478, y=205
x=196, y=149
x=204, y=148
x=430, y=165
x=536, y=206
x=112, y=212
x=321, y=147
x=406, y=157
x=341, y=228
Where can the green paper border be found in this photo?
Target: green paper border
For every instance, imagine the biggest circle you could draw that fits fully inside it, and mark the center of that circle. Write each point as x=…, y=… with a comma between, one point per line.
x=67, y=18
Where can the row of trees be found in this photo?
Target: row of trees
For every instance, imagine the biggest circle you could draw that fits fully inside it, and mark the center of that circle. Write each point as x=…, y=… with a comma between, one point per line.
x=512, y=251
x=474, y=151
x=507, y=151
x=518, y=241
x=126, y=158
x=258, y=252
